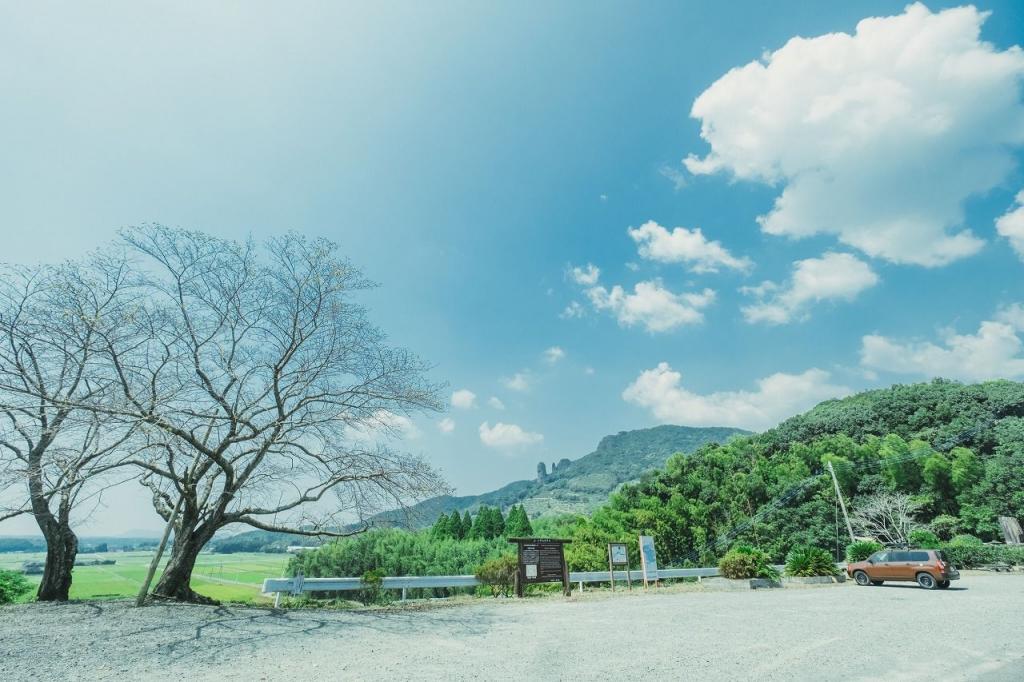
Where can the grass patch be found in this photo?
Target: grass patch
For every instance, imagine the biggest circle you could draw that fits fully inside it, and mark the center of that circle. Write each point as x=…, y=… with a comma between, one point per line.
x=225, y=577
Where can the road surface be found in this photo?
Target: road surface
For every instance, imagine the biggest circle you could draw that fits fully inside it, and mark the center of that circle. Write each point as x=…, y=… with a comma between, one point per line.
x=972, y=632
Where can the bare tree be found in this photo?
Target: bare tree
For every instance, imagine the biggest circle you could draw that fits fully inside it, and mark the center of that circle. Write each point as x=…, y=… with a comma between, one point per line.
x=52, y=455
x=250, y=371
x=886, y=516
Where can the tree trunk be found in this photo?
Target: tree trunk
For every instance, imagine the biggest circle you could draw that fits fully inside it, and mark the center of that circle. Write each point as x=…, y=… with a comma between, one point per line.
x=175, y=583
x=61, y=550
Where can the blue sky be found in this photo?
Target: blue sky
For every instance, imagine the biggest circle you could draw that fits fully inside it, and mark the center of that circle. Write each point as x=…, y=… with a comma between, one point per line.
x=469, y=156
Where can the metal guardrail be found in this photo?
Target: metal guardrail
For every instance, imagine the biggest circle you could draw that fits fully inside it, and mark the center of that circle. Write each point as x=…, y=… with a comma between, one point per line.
x=300, y=584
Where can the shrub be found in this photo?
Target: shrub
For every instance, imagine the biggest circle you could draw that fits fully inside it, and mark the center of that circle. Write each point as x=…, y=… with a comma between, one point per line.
x=968, y=555
x=12, y=586
x=807, y=562
x=925, y=539
x=945, y=526
x=745, y=562
x=499, y=574
x=965, y=541
x=861, y=550
x=374, y=592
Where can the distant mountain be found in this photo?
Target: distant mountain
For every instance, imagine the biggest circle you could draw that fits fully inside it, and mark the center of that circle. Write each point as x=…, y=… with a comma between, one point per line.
x=574, y=486
x=568, y=486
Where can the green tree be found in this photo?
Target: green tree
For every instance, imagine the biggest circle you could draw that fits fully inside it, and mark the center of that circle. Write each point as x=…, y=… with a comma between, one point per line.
x=517, y=525
x=441, y=529
x=467, y=524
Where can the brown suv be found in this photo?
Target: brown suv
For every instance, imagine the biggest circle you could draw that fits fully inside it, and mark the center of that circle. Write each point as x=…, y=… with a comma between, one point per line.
x=929, y=568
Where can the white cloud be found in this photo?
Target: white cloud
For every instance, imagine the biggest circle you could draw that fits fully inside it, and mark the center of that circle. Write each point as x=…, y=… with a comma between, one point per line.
x=1012, y=315
x=994, y=352
x=507, y=435
x=518, y=382
x=776, y=397
x=496, y=403
x=464, y=399
x=553, y=355
x=834, y=276
x=1011, y=224
x=674, y=175
x=588, y=370
x=384, y=425
x=878, y=137
x=586, y=276
x=651, y=305
x=574, y=309
x=446, y=425
x=685, y=246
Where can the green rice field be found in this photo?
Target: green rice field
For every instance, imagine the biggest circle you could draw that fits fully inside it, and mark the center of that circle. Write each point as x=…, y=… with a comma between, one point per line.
x=226, y=577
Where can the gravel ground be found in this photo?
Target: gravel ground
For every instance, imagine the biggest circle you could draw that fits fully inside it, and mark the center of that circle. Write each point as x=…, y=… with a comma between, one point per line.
x=974, y=631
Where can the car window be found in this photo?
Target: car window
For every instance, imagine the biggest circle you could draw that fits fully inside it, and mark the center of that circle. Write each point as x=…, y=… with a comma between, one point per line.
x=879, y=557
x=899, y=556
x=918, y=556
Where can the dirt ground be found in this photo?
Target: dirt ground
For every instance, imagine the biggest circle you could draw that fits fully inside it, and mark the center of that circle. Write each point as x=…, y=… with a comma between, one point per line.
x=973, y=631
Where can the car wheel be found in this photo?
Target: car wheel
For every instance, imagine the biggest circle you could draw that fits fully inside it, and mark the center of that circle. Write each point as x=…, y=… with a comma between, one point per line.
x=861, y=578
x=943, y=584
x=877, y=582
x=926, y=581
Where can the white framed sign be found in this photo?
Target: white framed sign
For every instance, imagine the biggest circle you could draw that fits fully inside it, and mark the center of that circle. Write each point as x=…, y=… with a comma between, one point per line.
x=619, y=553
x=648, y=559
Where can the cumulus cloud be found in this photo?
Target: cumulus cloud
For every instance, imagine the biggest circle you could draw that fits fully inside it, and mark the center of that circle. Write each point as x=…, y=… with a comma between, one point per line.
x=834, y=276
x=464, y=399
x=1011, y=225
x=507, y=435
x=517, y=382
x=877, y=137
x=586, y=276
x=1012, y=315
x=496, y=403
x=553, y=355
x=446, y=425
x=776, y=397
x=574, y=309
x=651, y=305
x=689, y=247
x=994, y=352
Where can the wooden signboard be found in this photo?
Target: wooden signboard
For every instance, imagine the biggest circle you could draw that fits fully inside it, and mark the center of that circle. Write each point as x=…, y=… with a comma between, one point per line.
x=648, y=560
x=541, y=560
x=618, y=555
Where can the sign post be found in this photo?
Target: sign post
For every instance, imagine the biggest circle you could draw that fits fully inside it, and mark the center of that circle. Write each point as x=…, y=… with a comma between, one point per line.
x=618, y=555
x=648, y=560
x=541, y=560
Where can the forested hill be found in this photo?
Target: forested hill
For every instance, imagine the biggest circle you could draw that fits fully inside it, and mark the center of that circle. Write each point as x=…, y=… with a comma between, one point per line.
x=956, y=450
x=579, y=485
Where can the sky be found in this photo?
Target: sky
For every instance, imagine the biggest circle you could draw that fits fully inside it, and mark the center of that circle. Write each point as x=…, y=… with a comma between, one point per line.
x=588, y=217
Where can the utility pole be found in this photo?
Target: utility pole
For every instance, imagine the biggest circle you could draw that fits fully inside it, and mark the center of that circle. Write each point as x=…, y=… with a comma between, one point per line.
x=842, y=504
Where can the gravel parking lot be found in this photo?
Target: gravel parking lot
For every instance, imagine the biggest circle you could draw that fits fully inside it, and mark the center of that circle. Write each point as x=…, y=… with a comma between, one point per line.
x=973, y=631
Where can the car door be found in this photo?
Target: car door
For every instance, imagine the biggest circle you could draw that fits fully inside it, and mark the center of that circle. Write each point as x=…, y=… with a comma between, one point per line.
x=899, y=566
x=880, y=566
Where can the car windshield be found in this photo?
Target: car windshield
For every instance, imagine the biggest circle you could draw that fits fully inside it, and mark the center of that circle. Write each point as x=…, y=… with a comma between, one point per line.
x=879, y=557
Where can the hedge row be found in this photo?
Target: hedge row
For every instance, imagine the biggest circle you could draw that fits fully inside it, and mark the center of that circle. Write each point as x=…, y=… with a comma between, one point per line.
x=982, y=555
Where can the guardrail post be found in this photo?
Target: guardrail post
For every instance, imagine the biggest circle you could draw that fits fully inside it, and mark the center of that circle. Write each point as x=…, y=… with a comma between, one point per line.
x=403, y=594
x=297, y=582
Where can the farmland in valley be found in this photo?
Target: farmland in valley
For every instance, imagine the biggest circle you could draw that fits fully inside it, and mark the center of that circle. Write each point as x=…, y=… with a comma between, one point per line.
x=226, y=577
